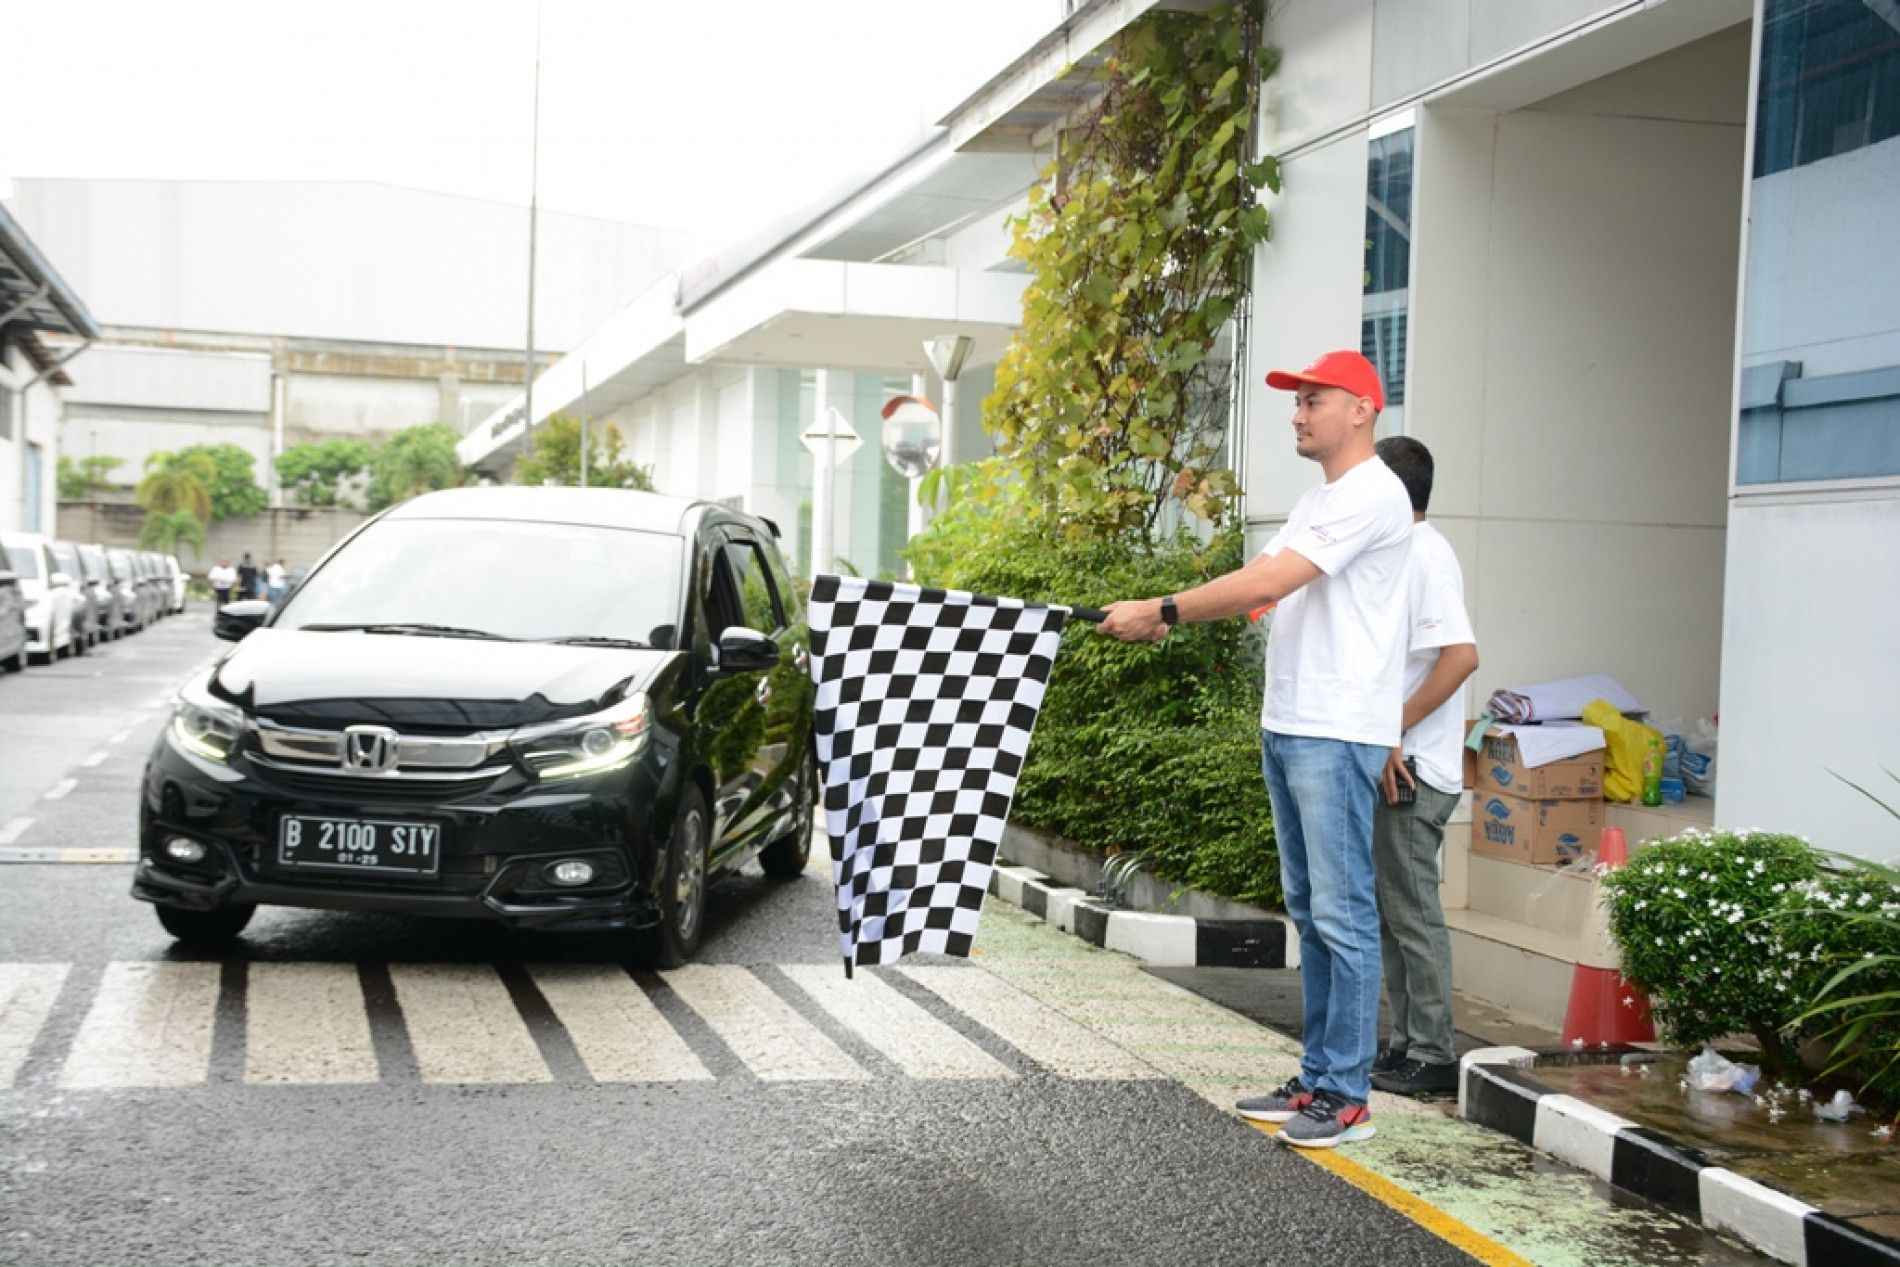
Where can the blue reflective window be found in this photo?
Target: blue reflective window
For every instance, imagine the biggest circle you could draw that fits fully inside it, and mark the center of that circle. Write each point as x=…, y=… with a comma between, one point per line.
x=1382, y=332
x=1820, y=393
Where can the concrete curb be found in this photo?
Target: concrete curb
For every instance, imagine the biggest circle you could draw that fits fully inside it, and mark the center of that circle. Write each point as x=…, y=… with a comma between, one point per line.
x=1498, y=1090
x=1167, y=941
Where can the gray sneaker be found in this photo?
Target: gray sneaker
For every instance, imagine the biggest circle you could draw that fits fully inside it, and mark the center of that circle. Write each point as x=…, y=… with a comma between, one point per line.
x=1328, y=1119
x=1277, y=1106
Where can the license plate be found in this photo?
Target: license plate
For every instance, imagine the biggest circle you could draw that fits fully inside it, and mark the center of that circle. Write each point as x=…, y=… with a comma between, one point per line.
x=360, y=844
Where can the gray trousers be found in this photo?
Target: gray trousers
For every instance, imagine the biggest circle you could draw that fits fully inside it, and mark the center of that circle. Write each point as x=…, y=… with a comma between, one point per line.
x=1413, y=944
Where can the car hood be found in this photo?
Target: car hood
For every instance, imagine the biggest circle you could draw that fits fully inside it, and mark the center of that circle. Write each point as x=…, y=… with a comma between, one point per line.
x=350, y=678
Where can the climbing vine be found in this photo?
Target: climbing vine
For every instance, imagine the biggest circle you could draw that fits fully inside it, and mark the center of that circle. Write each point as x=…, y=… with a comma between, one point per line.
x=1139, y=242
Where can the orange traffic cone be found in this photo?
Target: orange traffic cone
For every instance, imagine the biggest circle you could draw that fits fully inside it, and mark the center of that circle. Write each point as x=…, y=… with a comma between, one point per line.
x=1604, y=1008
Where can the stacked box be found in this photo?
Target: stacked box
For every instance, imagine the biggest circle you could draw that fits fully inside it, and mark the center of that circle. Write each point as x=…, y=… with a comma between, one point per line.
x=1535, y=814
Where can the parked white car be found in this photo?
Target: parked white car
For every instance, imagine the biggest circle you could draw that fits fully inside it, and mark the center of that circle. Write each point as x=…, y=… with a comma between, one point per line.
x=50, y=594
x=176, y=575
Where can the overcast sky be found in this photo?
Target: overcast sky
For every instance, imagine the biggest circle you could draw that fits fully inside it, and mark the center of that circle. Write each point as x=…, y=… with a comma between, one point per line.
x=710, y=117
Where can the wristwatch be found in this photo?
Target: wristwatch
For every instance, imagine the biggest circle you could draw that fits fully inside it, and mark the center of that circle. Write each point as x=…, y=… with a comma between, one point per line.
x=1170, y=615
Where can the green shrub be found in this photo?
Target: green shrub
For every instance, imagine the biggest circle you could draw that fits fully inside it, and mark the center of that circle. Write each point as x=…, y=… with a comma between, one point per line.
x=1844, y=932
x=1144, y=746
x=1692, y=917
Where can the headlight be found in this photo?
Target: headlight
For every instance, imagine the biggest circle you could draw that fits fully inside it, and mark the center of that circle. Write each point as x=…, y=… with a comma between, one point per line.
x=204, y=725
x=606, y=741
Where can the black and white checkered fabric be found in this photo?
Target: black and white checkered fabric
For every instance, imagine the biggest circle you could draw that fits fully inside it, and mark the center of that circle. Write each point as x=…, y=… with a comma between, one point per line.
x=926, y=700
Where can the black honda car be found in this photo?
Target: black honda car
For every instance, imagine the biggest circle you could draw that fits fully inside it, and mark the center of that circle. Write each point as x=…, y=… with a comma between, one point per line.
x=553, y=708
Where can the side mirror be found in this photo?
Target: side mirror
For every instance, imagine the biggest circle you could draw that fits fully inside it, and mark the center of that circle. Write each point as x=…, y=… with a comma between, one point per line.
x=59, y=580
x=235, y=620
x=743, y=650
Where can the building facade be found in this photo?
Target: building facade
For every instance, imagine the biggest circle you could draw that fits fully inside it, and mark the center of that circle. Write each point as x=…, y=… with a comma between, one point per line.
x=37, y=304
x=268, y=314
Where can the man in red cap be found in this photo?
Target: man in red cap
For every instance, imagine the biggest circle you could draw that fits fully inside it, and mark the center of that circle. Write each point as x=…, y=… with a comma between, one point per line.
x=1334, y=699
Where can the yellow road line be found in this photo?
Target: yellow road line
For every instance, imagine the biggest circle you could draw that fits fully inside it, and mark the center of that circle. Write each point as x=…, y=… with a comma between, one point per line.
x=1426, y=1215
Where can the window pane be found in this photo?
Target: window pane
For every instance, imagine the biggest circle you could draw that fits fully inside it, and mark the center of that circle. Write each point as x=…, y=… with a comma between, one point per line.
x=1821, y=301
x=1388, y=259
x=755, y=587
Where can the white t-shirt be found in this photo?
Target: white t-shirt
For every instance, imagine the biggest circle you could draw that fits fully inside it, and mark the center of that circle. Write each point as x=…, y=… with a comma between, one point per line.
x=275, y=575
x=1439, y=620
x=1336, y=652
x=222, y=577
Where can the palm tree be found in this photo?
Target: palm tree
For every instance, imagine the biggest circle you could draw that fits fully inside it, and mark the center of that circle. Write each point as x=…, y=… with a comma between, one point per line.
x=165, y=532
x=178, y=482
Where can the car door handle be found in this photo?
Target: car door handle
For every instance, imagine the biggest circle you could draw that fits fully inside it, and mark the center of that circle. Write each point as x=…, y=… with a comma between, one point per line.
x=764, y=693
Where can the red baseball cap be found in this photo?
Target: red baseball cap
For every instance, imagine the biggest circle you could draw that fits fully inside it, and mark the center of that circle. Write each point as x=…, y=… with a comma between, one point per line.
x=1345, y=370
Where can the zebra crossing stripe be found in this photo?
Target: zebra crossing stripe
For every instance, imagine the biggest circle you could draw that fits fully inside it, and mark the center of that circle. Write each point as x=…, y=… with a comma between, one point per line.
x=463, y=1025
x=27, y=991
x=1052, y=1040
x=901, y=1031
x=776, y=1043
x=306, y=1023
x=149, y=1026
x=619, y=1033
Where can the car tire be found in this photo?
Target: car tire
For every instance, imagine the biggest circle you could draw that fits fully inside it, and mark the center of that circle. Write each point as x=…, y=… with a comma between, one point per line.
x=206, y=928
x=14, y=663
x=682, y=888
x=786, y=857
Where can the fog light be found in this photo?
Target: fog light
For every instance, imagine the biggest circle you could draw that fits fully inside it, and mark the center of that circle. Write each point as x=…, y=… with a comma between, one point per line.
x=178, y=849
x=572, y=872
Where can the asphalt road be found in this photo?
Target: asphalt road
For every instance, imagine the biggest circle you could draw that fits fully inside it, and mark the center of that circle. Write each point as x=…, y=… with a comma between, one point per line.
x=366, y=1089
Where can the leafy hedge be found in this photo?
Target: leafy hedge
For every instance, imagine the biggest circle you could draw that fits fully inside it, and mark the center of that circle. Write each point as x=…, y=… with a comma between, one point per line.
x=1145, y=746
x=1758, y=933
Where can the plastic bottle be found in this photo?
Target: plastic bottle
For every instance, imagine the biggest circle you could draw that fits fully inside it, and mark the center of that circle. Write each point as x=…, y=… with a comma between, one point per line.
x=1652, y=771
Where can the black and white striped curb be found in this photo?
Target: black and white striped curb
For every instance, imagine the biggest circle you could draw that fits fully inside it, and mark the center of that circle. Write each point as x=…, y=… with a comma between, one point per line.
x=1499, y=1091
x=1167, y=941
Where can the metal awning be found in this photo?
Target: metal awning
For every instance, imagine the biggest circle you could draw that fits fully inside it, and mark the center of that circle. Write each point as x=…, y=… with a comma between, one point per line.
x=35, y=299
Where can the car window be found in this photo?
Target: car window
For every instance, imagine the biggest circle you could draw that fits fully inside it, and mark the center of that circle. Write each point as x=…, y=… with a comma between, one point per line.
x=24, y=561
x=514, y=578
x=758, y=605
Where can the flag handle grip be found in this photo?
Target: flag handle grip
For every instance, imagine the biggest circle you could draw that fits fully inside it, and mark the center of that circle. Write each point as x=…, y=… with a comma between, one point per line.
x=1094, y=615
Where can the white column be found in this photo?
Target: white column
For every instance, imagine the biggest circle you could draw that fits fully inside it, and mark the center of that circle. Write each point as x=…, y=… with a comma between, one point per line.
x=823, y=487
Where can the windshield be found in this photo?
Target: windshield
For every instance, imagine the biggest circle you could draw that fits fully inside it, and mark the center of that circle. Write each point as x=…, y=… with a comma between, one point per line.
x=500, y=577
x=24, y=561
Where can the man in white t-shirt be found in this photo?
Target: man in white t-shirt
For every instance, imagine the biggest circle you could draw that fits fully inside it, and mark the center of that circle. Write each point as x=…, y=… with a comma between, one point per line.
x=223, y=579
x=1335, y=669
x=1423, y=778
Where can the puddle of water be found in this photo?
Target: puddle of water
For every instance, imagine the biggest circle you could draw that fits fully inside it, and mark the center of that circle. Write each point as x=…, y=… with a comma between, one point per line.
x=1841, y=1167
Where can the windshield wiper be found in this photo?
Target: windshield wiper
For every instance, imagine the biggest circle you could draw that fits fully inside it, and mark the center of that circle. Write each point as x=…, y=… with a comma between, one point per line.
x=439, y=631
x=597, y=640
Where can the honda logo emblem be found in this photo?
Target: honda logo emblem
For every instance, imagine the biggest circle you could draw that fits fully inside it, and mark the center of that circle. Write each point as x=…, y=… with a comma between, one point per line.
x=371, y=749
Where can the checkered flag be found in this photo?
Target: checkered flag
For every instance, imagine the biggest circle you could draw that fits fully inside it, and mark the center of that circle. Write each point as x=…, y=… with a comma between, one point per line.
x=926, y=699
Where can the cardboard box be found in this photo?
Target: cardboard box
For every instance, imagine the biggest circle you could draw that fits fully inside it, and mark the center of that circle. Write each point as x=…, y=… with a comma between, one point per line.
x=1501, y=769
x=1471, y=758
x=1540, y=832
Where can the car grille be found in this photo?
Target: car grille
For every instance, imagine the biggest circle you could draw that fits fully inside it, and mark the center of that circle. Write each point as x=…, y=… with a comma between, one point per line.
x=380, y=789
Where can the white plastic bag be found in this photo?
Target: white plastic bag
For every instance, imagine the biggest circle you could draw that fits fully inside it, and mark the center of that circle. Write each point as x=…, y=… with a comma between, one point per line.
x=1698, y=759
x=1712, y=1071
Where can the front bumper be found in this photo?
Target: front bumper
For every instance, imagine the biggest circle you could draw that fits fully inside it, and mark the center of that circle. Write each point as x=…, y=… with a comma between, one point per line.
x=497, y=841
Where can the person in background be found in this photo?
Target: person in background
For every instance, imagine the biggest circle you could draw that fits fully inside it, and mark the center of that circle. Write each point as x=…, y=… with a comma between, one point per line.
x=221, y=579
x=276, y=580
x=1422, y=782
x=247, y=577
x=1335, y=669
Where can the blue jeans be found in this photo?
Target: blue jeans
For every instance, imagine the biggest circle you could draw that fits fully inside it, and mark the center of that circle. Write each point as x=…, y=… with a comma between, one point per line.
x=1323, y=792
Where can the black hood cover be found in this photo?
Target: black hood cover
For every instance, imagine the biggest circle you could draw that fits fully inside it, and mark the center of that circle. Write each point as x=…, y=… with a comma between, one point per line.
x=423, y=683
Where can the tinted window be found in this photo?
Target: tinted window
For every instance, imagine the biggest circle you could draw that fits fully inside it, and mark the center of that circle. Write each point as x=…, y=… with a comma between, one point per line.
x=66, y=559
x=24, y=561
x=758, y=605
x=519, y=580
x=95, y=563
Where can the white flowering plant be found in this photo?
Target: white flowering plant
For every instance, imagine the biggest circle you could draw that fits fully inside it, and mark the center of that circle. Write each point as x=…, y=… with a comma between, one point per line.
x=1848, y=921
x=1694, y=917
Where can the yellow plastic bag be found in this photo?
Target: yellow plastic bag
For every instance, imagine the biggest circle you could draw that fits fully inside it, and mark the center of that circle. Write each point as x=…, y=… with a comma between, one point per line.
x=1626, y=742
